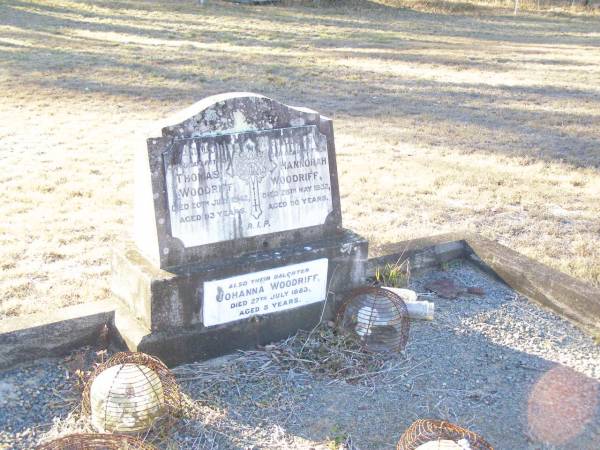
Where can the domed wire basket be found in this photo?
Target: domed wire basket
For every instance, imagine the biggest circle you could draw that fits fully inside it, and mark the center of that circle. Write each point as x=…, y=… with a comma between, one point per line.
x=91, y=441
x=376, y=318
x=425, y=431
x=155, y=398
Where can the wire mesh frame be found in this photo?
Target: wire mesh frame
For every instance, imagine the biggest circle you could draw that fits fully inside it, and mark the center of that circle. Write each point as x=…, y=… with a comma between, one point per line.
x=92, y=441
x=427, y=430
x=377, y=318
x=170, y=389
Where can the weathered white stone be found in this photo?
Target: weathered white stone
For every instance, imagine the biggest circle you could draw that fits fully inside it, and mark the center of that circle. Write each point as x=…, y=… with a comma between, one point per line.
x=126, y=398
x=416, y=309
x=445, y=444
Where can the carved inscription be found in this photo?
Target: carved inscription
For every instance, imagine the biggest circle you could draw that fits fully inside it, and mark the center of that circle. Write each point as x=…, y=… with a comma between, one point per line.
x=264, y=292
x=231, y=186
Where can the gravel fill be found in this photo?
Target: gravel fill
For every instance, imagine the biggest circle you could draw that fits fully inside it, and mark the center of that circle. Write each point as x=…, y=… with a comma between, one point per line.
x=520, y=375
x=31, y=395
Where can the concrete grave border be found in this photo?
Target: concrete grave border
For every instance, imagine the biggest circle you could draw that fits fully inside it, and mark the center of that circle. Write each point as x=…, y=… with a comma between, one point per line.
x=58, y=332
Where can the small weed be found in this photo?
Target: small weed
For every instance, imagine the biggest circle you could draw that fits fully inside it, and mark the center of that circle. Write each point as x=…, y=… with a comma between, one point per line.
x=338, y=440
x=393, y=275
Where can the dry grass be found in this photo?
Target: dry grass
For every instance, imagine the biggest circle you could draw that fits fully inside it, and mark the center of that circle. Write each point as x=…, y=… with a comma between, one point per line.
x=558, y=7
x=443, y=122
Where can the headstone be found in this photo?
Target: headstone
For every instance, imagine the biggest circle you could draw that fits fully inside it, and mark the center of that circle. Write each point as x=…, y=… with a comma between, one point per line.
x=238, y=232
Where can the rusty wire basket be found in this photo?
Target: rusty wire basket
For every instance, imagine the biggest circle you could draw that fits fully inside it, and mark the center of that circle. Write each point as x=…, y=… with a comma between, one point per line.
x=433, y=434
x=131, y=393
x=377, y=318
x=91, y=441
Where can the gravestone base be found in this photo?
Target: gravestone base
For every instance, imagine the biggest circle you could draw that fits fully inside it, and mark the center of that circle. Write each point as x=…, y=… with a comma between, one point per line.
x=163, y=313
x=198, y=343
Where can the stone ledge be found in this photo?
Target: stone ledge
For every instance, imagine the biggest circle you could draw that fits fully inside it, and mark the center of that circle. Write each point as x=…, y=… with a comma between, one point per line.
x=422, y=253
x=194, y=343
x=52, y=333
x=571, y=298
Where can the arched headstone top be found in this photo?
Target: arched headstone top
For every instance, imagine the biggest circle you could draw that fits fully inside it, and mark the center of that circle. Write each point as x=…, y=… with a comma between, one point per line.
x=235, y=112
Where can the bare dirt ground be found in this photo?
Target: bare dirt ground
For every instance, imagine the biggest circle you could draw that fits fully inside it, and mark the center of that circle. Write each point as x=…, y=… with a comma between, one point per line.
x=486, y=122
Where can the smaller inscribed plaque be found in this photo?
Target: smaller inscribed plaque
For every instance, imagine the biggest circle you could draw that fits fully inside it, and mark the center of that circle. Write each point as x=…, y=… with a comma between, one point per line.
x=264, y=292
